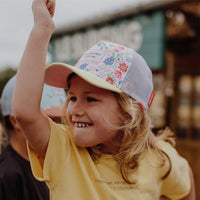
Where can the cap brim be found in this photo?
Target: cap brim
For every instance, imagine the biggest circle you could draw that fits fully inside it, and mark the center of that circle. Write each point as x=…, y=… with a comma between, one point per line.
x=56, y=111
x=57, y=73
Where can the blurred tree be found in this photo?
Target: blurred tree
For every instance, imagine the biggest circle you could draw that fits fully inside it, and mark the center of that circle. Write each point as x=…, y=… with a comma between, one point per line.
x=5, y=75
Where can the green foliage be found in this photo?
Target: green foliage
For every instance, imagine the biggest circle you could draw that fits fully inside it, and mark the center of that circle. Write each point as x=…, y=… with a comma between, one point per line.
x=5, y=75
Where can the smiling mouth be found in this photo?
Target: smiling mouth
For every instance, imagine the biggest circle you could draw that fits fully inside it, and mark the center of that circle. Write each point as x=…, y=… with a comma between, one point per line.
x=82, y=125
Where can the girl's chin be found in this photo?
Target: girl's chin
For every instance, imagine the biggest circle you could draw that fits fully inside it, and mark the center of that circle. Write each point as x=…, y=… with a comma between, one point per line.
x=84, y=144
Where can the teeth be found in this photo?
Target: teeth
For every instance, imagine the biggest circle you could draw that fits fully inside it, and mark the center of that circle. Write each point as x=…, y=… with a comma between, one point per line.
x=78, y=124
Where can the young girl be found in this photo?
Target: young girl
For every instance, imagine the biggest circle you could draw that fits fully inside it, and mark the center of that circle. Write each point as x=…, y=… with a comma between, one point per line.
x=106, y=150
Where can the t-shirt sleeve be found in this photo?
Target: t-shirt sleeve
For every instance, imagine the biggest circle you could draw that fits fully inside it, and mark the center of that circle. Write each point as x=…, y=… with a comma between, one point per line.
x=55, y=155
x=177, y=184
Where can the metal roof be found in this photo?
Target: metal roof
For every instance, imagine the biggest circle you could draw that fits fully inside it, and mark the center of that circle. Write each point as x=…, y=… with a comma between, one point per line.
x=122, y=10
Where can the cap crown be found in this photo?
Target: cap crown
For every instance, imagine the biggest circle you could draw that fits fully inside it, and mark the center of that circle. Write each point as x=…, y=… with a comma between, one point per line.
x=120, y=66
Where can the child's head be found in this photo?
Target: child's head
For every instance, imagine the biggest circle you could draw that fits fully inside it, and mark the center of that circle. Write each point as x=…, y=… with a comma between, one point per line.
x=92, y=114
x=52, y=98
x=106, y=71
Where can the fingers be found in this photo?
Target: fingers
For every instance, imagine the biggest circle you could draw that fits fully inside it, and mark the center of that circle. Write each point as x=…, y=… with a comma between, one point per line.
x=43, y=11
x=41, y=5
x=51, y=7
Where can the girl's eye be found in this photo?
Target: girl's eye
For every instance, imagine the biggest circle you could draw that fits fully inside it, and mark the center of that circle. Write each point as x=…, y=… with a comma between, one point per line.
x=91, y=99
x=73, y=99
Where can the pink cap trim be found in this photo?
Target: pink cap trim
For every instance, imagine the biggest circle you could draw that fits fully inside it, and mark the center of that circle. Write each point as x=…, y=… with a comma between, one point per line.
x=151, y=98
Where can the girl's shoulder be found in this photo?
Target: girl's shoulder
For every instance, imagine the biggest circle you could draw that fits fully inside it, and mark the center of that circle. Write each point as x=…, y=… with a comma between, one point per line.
x=165, y=155
x=176, y=180
x=167, y=148
x=176, y=162
x=165, y=159
x=164, y=145
x=175, y=158
x=160, y=146
x=59, y=128
x=57, y=125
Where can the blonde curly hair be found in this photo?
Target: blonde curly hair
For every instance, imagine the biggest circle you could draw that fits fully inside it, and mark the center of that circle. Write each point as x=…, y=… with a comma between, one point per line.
x=137, y=136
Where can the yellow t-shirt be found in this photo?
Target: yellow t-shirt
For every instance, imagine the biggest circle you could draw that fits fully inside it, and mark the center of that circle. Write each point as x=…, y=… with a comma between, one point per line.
x=71, y=174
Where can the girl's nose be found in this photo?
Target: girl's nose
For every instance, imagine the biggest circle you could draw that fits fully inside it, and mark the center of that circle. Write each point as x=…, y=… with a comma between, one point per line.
x=77, y=109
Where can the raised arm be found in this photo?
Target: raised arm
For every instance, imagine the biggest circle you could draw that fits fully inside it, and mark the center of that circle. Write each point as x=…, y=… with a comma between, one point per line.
x=30, y=78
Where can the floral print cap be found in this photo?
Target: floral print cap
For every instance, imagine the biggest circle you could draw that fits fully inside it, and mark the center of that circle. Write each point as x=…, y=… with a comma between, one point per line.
x=110, y=66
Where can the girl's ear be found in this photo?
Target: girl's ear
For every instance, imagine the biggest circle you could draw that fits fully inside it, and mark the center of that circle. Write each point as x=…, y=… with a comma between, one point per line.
x=13, y=122
x=140, y=105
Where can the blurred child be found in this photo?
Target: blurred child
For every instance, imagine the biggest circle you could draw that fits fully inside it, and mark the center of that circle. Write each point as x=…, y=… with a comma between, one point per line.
x=106, y=150
x=16, y=178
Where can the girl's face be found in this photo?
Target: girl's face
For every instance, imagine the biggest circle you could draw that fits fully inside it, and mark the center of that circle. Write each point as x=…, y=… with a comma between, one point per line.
x=92, y=114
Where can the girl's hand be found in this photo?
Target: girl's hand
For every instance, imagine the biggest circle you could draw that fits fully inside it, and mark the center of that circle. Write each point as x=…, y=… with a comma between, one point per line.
x=43, y=11
x=30, y=78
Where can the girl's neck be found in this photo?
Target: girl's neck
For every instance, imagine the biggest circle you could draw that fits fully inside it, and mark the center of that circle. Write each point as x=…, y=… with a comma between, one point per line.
x=112, y=147
x=109, y=149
